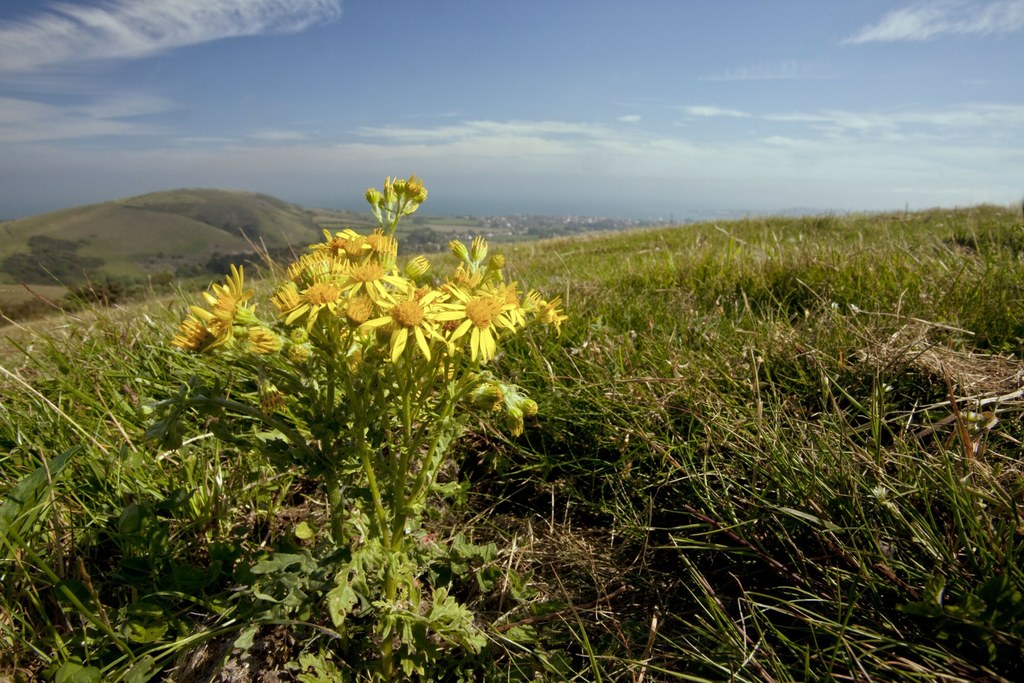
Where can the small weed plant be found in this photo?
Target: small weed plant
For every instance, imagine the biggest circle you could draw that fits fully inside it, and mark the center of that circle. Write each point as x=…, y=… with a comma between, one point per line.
x=363, y=381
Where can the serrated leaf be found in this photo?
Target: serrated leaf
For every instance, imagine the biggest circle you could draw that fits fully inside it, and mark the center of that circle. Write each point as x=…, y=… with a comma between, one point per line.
x=340, y=602
x=281, y=561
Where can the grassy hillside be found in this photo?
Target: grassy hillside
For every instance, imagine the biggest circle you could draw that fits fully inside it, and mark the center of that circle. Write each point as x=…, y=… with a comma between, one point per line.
x=152, y=239
x=767, y=450
x=177, y=233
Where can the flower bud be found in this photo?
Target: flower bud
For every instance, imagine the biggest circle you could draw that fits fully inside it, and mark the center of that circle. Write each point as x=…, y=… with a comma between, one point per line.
x=488, y=396
x=271, y=399
x=390, y=196
x=459, y=250
x=417, y=267
x=529, y=407
x=297, y=353
x=262, y=341
x=374, y=197
x=478, y=250
x=414, y=190
x=514, y=421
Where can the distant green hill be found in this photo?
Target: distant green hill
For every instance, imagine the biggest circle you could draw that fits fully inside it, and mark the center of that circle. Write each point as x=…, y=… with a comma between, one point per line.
x=180, y=232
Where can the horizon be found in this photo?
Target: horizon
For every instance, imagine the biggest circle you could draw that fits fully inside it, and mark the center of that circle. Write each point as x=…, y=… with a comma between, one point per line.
x=618, y=109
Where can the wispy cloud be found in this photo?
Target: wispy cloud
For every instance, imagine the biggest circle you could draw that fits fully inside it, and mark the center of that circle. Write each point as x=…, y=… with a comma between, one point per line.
x=629, y=118
x=278, y=135
x=24, y=120
x=927, y=20
x=765, y=71
x=65, y=34
x=490, y=129
x=567, y=166
x=706, y=111
x=967, y=116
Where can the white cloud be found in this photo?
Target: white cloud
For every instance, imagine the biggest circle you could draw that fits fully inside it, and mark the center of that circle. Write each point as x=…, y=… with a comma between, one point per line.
x=706, y=111
x=927, y=20
x=568, y=167
x=967, y=116
x=66, y=34
x=765, y=71
x=476, y=130
x=24, y=120
x=278, y=135
x=629, y=118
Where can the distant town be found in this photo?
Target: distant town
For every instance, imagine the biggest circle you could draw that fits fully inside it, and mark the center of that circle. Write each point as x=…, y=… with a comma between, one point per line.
x=432, y=233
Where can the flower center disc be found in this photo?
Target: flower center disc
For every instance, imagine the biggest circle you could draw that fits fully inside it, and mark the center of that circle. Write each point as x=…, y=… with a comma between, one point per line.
x=481, y=311
x=322, y=293
x=369, y=272
x=407, y=313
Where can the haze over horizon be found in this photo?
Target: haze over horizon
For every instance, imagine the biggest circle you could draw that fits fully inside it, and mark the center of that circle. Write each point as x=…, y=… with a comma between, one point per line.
x=632, y=109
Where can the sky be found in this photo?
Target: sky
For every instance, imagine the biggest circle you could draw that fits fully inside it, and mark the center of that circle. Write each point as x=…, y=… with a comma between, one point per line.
x=631, y=108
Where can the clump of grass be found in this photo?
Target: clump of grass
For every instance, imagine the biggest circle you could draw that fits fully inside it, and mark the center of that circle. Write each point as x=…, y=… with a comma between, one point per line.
x=773, y=449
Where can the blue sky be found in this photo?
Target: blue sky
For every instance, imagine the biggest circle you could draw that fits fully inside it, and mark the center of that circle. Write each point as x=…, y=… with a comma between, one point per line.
x=632, y=108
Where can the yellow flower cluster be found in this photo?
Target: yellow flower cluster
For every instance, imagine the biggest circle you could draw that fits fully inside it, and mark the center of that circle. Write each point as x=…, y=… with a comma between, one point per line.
x=227, y=321
x=350, y=284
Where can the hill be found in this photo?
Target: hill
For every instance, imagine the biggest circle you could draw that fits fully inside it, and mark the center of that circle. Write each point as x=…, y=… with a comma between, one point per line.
x=176, y=232
x=156, y=237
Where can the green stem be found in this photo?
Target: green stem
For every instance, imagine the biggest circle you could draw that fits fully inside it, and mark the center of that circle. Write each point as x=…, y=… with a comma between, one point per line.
x=378, y=505
x=398, y=484
x=336, y=503
x=331, y=380
x=429, y=469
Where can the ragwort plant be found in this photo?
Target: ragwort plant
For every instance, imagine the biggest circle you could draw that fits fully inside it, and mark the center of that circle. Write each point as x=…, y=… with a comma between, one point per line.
x=364, y=379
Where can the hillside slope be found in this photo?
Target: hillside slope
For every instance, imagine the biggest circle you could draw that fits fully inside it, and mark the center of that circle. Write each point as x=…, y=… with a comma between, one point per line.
x=173, y=232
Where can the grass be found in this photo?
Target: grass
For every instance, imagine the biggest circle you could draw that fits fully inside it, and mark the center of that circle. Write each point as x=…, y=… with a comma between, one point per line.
x=767, y=450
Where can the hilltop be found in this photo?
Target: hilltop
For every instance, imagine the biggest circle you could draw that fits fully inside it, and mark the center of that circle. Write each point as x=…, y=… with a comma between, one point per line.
x=111, y=248
x=175, y=232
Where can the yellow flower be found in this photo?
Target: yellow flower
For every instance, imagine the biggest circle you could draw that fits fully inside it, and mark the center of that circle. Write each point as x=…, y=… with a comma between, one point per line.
x=345, y=244
x=226, y=299
x=484, y=314
x=207, y=329
x=373, y=279
x=384, y=246
x=415, y=191
x=310, y=302
x=418, y=317
x=359, y=309
x=459, y=250
x=548, y=313
x=508, y=294
x=464, y=279
x=316, y=267
x=193, y=335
